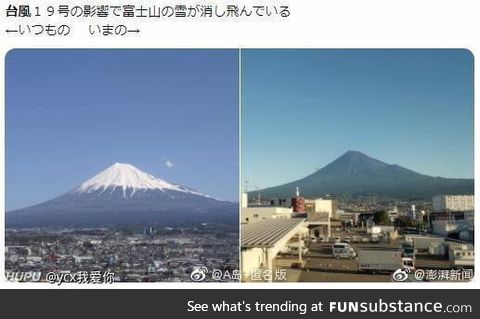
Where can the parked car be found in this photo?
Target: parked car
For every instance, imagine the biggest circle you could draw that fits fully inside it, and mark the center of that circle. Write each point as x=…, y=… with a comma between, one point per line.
x=294, y=249
x=343, y=250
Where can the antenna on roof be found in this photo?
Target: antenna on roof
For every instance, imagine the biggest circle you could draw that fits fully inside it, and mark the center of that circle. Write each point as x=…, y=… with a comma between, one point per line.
x=246, y=187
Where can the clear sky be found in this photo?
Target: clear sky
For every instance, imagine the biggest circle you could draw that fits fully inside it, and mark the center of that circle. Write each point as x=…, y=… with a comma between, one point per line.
x=72, y=113
x=301, y=109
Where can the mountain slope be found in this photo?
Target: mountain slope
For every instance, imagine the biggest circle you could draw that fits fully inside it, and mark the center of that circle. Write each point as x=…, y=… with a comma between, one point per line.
x=355, y=173
x=124, y=195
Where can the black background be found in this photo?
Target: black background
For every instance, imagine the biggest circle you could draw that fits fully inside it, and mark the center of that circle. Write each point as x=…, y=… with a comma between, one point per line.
x=123, y=303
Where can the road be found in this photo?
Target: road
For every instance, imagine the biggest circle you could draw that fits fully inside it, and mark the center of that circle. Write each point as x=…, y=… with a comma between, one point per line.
x=320, y=266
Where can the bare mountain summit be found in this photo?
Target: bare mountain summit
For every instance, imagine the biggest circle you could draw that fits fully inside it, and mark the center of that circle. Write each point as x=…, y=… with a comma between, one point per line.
x=355, y=173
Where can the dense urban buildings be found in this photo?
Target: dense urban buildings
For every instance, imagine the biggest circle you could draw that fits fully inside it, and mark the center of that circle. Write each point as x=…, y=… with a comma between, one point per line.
x=364, y=238
x=131, y=254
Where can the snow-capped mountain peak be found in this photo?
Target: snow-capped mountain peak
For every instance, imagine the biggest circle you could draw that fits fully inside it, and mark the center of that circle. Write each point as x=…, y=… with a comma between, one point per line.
x=130, y=179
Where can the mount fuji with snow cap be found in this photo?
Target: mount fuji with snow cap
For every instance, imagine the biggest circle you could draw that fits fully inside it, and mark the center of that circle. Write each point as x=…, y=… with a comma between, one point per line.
x=124, y=195
x=129, y=179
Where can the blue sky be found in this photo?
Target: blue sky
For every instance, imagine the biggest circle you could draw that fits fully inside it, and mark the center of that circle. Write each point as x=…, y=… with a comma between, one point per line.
x=72, y=113
x=301, y=109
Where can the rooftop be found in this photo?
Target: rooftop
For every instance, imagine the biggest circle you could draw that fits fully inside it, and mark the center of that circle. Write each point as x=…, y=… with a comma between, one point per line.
x=267, y=232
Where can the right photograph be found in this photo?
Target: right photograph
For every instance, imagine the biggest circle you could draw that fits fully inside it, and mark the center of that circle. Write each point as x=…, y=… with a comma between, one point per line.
x=357, y=165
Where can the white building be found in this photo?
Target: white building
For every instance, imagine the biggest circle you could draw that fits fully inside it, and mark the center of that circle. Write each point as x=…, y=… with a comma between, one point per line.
x=319, y=225
x=461, y=255
x=252, y=214
x=453, y=203
x=463, y=228
x=244, y=200
x=376, y=230
x=320, y=205
x=263, y=240
x=256, y=213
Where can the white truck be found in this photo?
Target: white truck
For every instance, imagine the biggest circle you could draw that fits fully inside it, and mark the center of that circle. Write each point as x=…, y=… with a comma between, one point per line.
x=383, y=260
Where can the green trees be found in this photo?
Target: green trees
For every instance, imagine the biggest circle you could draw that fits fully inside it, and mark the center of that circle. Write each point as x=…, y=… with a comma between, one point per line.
x=382, y=218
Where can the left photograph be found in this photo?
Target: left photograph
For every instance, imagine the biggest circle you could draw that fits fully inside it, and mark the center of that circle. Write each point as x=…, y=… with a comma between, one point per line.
x=121, y=166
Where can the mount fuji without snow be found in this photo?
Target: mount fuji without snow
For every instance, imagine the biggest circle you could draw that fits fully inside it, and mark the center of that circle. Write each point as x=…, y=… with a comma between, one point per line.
x=355, y=173
x=124, y=195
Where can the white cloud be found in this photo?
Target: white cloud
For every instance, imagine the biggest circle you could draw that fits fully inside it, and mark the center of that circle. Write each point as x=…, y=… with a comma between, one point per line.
x=168, y=163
